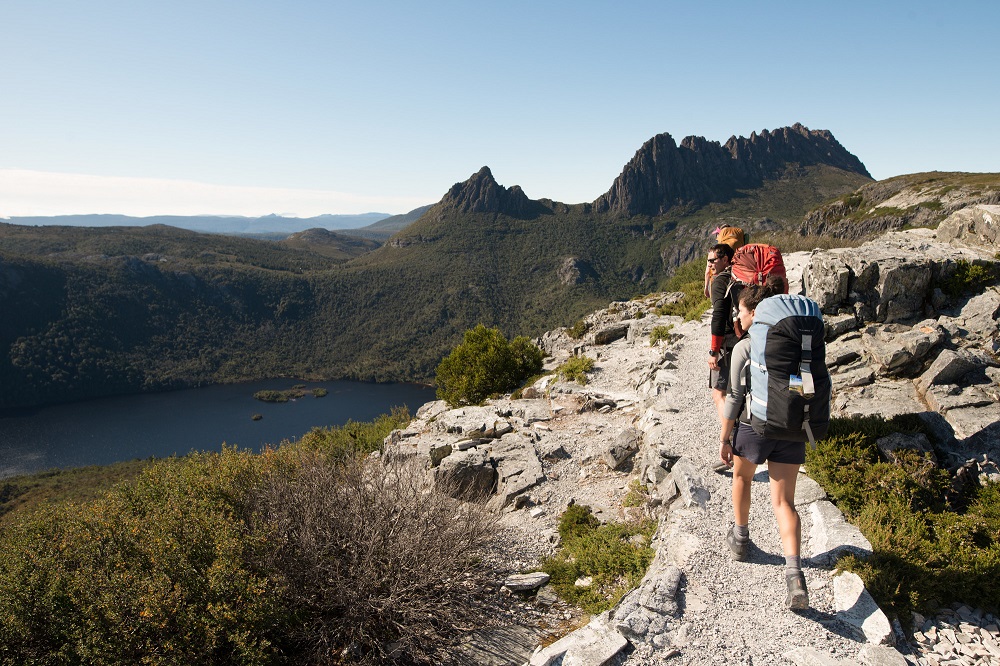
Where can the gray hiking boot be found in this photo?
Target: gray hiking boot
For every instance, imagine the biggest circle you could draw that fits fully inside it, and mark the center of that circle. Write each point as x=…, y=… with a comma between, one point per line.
x=798, y=596
x=737, y=549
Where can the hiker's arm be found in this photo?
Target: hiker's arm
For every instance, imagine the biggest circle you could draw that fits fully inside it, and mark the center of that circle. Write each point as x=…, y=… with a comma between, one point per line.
x=721, y=310
x=725, y=445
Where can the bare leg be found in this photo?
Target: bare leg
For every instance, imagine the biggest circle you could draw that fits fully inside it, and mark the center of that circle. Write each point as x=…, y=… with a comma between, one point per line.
x=719, y=398
x=743, y=471
x=783, y=477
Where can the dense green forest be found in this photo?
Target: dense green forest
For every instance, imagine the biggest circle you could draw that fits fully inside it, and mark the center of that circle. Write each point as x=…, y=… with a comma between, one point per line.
x=99, y=311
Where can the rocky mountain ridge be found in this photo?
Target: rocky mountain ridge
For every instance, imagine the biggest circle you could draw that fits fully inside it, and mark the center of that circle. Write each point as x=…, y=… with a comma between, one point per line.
x=663, y=174
x=897, y=344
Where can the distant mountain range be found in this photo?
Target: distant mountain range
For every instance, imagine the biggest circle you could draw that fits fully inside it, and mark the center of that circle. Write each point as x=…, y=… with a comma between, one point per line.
x=213, y=224
x=104, y=311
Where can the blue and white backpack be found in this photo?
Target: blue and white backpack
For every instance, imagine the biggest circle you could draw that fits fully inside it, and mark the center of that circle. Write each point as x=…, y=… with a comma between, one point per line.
x=789, y=394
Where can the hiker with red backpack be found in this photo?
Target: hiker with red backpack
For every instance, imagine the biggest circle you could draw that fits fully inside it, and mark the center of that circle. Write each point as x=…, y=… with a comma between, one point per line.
x=724, y=337
x=732, y=236
x=779, y=398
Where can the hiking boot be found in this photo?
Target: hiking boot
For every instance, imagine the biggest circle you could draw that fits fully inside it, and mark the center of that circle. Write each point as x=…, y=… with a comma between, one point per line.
x=737, y=549
x=798, y=596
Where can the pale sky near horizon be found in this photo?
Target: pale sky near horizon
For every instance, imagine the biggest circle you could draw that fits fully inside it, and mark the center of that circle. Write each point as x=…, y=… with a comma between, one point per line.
x=310, y=107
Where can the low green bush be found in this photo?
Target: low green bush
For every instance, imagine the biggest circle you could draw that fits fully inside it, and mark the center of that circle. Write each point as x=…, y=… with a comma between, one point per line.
x=485, y=364
x=689, y=279
x=931, y=545
x=638, y=494
x=576, y=369
x=609, y=554
x=660, y=333
x=577, y=330
x=970, y=278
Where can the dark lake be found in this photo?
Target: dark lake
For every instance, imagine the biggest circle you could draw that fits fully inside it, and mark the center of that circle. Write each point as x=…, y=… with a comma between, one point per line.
x=98, y=432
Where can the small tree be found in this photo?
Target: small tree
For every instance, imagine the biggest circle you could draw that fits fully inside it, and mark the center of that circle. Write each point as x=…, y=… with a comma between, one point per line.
x=485, y=363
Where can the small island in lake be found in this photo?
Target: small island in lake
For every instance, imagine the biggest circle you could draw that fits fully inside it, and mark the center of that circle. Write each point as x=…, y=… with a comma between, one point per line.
x=297, y=391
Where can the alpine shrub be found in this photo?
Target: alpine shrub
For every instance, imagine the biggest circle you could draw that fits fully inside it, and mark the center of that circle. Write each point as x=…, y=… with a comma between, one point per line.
x=485, y=364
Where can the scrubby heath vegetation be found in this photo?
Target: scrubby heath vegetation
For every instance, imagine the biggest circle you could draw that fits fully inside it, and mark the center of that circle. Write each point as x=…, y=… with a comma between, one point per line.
x=934, y=540
x=486, y=364
x=314, y=552
x=613, y=556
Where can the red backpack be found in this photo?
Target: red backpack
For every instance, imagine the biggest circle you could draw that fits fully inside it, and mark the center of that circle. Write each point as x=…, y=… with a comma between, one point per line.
x=753, y=263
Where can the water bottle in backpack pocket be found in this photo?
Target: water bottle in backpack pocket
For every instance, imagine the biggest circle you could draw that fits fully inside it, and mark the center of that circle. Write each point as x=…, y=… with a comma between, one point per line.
x=789, y=396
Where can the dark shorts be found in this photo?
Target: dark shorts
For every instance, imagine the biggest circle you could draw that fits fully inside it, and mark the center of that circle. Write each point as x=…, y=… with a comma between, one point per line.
x=751, y=446
x=719, y=379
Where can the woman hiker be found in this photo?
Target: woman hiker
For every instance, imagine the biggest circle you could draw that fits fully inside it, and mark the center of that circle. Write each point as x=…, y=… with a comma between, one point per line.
x=744, y=452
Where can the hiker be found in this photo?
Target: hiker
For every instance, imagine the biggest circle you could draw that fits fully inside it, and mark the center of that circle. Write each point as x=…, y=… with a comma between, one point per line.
x=747, y=449
x=732, y=236
x=723, y=335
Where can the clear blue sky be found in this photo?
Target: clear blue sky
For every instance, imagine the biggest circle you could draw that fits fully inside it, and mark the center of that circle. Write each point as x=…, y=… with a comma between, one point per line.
x=300, y=107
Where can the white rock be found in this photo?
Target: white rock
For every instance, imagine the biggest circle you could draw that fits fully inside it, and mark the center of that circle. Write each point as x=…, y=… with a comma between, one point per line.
x=855, y=607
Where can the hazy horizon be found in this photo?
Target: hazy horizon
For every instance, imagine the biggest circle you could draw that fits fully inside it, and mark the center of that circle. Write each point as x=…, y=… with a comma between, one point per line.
x=303, y=109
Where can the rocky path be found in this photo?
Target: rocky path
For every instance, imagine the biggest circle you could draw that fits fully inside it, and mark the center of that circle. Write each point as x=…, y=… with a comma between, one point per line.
x=732, y=612
x=696, y=605
x=718, y=611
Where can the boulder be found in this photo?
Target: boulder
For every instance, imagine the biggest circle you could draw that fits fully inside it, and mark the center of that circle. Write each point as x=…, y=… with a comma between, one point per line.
x=609, y=334
x=899, y=352
x=975, y=225
x=526, y=582
x=595, y=644
x=624, y=447
x=885, y=280
x=948, y=368
x=832, y=536
x=517, y=467
x=644, y=614
x=466, y=475
x=889, y=444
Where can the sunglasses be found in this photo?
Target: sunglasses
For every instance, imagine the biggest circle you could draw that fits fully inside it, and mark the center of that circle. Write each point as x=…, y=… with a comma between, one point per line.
x=712, y=261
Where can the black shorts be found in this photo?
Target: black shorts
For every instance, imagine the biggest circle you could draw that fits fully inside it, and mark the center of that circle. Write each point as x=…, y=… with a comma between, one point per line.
x=751, y=446
x=719, y=379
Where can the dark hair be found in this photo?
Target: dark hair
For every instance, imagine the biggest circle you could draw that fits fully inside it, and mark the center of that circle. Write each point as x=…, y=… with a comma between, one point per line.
x=722, y=249
x=753, y=294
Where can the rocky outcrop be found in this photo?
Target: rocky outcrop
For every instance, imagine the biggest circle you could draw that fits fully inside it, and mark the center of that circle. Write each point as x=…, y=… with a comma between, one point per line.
x=885, y=280
x=976, y=225
x=663, y=175
x=482, y=194
x=915, y=200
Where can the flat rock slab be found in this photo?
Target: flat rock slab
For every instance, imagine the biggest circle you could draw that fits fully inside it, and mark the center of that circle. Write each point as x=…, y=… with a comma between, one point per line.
x=594, y=645
x=526, y=582
x=832, y=536
x=501, y=646
x=856, y=608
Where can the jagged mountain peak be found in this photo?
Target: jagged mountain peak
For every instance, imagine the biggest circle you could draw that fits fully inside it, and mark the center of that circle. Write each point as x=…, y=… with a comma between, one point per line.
x=482, y=194
x=664, y=174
